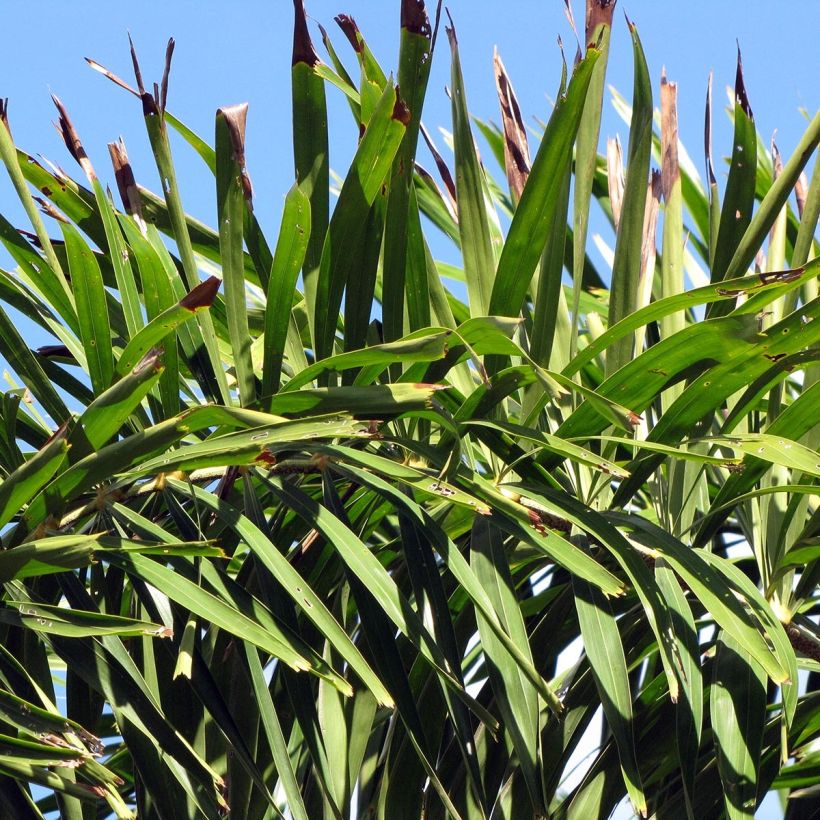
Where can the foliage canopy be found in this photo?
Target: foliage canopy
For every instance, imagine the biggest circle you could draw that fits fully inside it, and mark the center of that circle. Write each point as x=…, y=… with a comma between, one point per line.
x=305, y=527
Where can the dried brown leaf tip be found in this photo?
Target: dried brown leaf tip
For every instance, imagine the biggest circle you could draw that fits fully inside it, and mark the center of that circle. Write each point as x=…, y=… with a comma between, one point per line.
x=111, y=76
x=350, y=30
x=124, y=175
x=35, y=241
x=152, y=104
x=516, y=148
x=448, y=201
x=707, y=134
x=60, y=432
x=4, y=112
x=202, y=296
x=599, y=13
x=741, y=97
x=444, y=171
x=400, y=110
x=163, y=92
x=136, y=63
x=570, y=17
x=576, y=60
x=236, y=117
x=152, y=360
x=650, y=223
x=414, y=17
x=801, y=193
x=55, y=352
x=669, y=136
x=777, y=160
x=451, y=30
x=303, y=51
x=49, y=210
x=615, y=177
x=72, y=139
x=770, y=277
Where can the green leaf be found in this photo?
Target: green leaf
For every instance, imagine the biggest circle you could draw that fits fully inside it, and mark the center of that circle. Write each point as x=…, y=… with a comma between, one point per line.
x=17, y=489
x=774, y=629
x=689, y=708
x=254, y=446
x=415, y=59
x=518, y=520
x=693, y=568
x=555, y=502
x=473, y=219
x=423, y=346
x=461, y=570
x=343, y=250
x=602, y=644
x=106, y=414
x=294, y=238
x=18, y=750
x=232, y=188
x=157, y=329
x=773, y=449
x=777, y=284
x=295, y=585
x=92, y=309
x=738, y=707
x=598, y=31
x=58, y=553
x=774, y=200
x=310, y=150
x=517, y=698
x=369, y=570
x=154, y=114
x=804, y=773
x=626, y=267
x=54, y=281
x=50, y=779
x=30, y=368
x=367, y=401
x=739, y=196
x=266, y=635
x=72, y=623
x=557, y=445
x=276, y=739
x=118, y=254
x=541, y=200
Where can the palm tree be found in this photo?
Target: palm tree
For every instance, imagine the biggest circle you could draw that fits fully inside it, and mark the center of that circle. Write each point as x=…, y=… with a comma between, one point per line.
x=316, y=536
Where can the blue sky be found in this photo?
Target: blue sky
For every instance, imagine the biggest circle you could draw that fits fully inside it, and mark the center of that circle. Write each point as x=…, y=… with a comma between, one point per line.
x=240, y=51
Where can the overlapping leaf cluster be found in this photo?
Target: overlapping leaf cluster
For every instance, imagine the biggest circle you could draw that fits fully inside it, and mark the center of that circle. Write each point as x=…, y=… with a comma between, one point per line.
x=311, y=538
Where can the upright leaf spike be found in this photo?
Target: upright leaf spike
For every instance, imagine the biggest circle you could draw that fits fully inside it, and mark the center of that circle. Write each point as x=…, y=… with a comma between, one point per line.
x=627, y=262
x=597, y=31
x=310, y=152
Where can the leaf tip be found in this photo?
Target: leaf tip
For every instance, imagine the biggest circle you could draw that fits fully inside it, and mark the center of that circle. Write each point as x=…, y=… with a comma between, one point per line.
x=303, y=51
x=451, y=30
x=202, y=296
x=741, y=96
x=350, y=30
x=71, y=139
x=598, y=13
x=400, y=110
x=152, y=360
x=414, y=18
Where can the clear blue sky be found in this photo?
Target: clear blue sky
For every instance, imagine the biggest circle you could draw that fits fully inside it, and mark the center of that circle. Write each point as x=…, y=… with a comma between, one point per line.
x=240, y=51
